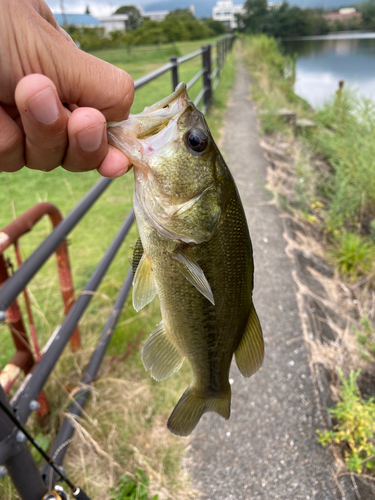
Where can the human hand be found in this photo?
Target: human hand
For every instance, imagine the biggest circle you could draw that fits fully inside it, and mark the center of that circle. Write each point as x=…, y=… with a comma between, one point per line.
x=41, y=69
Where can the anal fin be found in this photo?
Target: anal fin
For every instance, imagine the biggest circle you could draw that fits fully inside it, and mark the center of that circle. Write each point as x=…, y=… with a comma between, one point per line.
x=161, y=355
x=250, y=352
x=191, y=407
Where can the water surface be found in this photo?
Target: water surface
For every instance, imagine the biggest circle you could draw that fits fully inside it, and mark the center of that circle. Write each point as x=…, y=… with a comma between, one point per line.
x=322, y=61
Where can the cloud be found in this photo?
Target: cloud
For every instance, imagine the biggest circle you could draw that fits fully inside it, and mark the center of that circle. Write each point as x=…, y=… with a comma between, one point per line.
x=97, y=7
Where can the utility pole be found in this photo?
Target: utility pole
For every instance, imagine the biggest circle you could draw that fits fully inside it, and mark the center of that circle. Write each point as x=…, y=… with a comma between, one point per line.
x=62, y=7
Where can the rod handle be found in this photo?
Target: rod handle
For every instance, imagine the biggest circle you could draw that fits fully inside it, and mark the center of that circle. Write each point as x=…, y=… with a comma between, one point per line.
x=80, y=495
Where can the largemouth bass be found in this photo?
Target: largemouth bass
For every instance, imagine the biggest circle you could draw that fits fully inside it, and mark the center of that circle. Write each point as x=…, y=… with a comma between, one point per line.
x=195, y=253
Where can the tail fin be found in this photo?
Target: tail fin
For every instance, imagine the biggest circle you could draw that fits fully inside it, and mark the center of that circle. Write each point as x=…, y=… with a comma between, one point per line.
x=191, y=407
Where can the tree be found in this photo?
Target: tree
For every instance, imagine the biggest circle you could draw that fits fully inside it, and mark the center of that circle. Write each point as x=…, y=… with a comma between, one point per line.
x=255, y=17
x=182, y=14
x=217, y=26
x=368, y=13
x=134, y=16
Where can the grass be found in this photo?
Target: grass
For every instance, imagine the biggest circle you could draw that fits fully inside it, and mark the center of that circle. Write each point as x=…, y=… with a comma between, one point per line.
x=140, y=63
x=124, y=424
x=355, y=429
x=328, y=180
x=352, y=255
x=334, y=173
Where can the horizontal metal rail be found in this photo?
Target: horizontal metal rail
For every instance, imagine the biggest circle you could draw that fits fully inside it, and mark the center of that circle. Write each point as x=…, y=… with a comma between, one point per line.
x=215, y=72
x=195, y=78
x=67, y=429
x=34, y=385
x=200, y=96
x=151, y=76
x=223, y=46
x=14, y=285
x=189, y=56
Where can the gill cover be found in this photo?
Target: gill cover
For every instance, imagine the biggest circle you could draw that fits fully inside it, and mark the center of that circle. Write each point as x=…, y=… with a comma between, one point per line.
x=173, y=154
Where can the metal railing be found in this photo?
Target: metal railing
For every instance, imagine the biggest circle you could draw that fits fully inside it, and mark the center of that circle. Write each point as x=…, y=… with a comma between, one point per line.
x=15, y=456
x=210, y=76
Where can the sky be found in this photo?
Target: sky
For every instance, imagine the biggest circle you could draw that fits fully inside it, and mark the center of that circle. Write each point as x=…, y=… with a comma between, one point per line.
x=97, y=7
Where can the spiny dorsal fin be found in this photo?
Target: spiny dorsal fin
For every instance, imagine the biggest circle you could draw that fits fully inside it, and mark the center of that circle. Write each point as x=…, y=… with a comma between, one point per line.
x=144, y=288
x=193, y=273
x=191, y=407
x=161, y=355
x=250, y=352
x=137, y=255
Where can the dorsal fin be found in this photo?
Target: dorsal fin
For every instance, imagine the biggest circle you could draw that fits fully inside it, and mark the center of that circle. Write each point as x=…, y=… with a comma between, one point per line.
x=137, y=255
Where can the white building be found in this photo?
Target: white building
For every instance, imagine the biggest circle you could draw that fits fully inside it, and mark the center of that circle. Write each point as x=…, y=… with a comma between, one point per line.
x=114, y=22
x=225, y=11
x=156, y=15
x=160, y=15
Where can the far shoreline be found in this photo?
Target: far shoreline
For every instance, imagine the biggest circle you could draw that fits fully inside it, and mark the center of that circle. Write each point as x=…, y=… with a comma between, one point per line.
x=342, y=35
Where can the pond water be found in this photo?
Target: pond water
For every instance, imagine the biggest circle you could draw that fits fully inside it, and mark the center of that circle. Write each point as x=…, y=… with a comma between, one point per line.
x=322, y=61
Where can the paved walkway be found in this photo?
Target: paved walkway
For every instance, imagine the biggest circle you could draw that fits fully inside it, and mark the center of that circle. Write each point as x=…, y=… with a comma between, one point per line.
x=268, y=448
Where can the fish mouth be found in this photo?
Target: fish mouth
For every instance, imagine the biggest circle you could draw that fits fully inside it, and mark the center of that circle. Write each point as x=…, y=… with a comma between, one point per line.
x=126, y=135
x=167, y=101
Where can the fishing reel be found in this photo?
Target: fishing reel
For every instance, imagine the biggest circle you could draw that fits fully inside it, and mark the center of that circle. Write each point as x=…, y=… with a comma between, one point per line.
x=57, y=494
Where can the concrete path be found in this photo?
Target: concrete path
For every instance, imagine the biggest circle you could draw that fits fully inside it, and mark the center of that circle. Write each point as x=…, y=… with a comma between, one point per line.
x=268, y=448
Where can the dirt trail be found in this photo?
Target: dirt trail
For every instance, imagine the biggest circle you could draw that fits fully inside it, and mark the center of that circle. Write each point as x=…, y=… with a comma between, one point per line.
x=268, y=449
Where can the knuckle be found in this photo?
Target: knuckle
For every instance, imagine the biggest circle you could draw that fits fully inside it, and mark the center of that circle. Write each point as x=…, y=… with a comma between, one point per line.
x=124, y=92
x=10, y=140
x=11, y=149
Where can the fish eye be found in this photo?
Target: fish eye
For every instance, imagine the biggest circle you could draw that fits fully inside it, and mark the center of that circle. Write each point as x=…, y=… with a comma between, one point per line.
x=196, y=140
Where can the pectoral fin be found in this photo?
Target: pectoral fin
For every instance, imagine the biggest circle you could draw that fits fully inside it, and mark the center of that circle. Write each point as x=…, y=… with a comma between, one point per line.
x=250, y=352
x=193, y=273
x=144, y=288
x=161, y=355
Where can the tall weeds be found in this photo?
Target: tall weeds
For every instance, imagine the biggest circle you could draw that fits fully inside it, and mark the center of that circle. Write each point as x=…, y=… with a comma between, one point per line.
x=334, y=170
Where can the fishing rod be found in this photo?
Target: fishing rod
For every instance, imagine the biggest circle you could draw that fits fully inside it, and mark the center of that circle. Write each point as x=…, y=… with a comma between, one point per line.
x=76, y=491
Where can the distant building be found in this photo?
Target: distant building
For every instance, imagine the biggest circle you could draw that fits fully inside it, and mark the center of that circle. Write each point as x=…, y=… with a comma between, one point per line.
x=155, y=15
x=225, y=12
x=160, y=15
x=345, y=15
x=80, y=20
x=114, y=22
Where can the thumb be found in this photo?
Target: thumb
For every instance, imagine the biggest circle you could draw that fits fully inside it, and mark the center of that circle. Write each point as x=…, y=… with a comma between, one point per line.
x=85, y=80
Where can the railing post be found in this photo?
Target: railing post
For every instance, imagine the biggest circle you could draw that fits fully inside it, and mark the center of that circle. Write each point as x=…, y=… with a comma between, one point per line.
x=175, y=82
x=206, y=60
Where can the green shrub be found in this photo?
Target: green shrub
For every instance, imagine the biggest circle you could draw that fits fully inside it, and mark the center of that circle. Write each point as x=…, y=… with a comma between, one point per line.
x=352, y=254
x=349, y=147
x=355, y=428
x=133, y=489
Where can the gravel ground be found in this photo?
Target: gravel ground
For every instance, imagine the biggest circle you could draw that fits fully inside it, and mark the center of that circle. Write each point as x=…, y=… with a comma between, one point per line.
x=268, y=448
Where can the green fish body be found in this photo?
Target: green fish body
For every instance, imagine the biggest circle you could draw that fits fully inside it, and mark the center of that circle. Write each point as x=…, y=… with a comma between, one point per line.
x=197, y=256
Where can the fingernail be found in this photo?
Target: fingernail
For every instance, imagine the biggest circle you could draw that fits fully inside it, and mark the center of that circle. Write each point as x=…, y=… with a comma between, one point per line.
x=91, y=138
x=43, y=106
x=119, y=173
